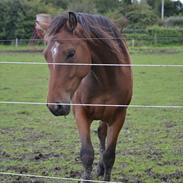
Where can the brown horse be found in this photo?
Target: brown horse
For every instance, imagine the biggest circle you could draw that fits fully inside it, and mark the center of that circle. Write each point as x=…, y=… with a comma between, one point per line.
x=89, y=39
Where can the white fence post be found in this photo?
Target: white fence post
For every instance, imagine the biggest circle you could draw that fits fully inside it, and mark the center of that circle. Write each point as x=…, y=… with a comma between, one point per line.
x=16, y=42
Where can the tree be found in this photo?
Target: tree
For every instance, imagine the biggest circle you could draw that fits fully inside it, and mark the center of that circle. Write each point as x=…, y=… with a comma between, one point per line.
x=129, y=1
x=82, y=6
x=17, y=17
x=104, y=6
x=171, y=7
x=3, y=19
x=140, y=16
x=60, y=4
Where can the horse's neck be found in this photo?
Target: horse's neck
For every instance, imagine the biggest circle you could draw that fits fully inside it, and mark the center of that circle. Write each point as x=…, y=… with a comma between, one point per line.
x=109, y=75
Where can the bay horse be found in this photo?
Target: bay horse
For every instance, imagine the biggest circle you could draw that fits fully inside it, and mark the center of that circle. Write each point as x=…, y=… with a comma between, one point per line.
x=89, y=39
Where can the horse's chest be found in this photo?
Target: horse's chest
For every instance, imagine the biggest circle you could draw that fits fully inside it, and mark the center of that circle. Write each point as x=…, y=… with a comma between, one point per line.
x=99, y=111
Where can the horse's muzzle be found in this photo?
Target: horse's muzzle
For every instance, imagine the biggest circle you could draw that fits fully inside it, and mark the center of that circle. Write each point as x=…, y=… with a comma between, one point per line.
x=58, y=109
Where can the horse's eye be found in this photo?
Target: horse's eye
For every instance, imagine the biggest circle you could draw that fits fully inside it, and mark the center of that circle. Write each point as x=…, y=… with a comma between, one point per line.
x=70, y=53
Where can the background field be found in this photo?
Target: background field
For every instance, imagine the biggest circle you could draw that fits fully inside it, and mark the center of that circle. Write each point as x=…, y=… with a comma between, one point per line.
x=150, y=147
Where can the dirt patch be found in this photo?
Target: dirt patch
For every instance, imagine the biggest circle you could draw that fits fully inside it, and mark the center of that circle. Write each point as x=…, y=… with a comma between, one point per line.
x=6, y=131
x=31, y=134
x=174, y=163
x=179, y=135
x=18, y=169
x=127, y=179
x=169, y=124
x=155, y=154
x=27, y=180
x=165, y=177
x=74, y=174
x=24, y=170
x=38, y=156
x=132, y=152
x=4, y=155
x=178, y=151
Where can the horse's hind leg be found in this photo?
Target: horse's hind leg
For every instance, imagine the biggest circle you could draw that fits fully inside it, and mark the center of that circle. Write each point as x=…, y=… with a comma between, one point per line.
x=112, y=136
x=86, y=152
x=102, y=133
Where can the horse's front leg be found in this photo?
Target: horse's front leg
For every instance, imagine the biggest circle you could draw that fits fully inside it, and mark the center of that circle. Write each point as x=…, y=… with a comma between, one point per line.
x=102, y=133
x=86, y=152
x=112, y=136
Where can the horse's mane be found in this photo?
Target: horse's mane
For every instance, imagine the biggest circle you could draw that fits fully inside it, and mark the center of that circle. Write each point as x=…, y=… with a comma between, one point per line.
x=98, y=29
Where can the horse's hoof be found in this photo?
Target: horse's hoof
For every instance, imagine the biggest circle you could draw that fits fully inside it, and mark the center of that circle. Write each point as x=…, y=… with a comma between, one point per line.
x=107, y=177
x=86, y=178
x=85, y=181
x=100, y=170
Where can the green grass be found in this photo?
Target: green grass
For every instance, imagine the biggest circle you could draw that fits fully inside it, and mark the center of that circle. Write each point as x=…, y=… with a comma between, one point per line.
x=136, y=49
x=20, y=47
x=35, y=142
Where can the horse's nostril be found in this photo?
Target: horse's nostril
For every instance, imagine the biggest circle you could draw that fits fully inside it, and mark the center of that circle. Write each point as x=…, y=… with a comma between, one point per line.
x=59, y=107
x=59, y=110
x=63, y=109
x=56, y=107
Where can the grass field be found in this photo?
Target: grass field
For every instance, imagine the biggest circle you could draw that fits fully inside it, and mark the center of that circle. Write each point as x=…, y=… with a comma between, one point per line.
x=150, y=146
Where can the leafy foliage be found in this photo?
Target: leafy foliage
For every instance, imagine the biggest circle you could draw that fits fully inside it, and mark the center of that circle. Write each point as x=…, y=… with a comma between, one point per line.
x=166, y=35
x=104, y=6
x=171, y=7
x=140, y=16
x=165, y=32
x=174, y=21
x=17, y=16
x=82, y=6
x=56, y=3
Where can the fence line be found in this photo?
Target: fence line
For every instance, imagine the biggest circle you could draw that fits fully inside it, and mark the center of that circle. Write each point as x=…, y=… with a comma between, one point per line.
x=91, y=64
x=94, y=105
x=128, y=38
x=55, y=178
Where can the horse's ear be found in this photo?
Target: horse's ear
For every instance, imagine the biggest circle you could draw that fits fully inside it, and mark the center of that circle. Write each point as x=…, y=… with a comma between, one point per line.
x=42, y=23
x=72, y=21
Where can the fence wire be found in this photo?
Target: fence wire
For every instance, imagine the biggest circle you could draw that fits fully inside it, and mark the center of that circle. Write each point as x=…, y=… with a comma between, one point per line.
x=94, y=105
x=53, y=178
x=92, y=64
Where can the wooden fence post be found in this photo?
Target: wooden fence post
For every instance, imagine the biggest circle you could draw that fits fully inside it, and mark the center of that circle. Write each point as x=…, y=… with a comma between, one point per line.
x=133, y=43
x=155, y=39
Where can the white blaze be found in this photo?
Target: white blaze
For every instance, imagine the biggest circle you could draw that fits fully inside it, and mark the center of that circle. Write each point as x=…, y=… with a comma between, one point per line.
x=54, y=51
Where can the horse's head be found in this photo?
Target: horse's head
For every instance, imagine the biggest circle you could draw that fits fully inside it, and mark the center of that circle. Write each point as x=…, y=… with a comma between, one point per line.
x=64, y=45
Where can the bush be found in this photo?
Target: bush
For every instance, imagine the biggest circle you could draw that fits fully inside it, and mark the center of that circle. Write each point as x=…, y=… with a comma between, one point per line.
x=174, y=21
x=165, y=32
x=155, y=36
x=166, y=35
x=82, y=6
x=117, y=18
x=140, y=16
x=17, y=17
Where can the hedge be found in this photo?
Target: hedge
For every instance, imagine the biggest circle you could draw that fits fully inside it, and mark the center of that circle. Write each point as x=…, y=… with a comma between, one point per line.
x=157, y=35
x=174, y=21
